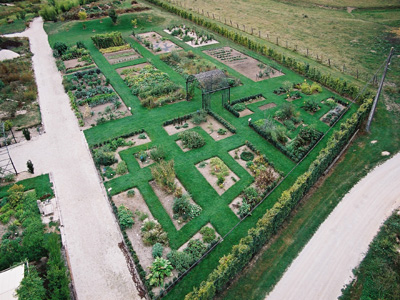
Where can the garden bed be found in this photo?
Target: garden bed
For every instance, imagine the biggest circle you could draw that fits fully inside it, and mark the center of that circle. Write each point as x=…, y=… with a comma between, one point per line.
x=333, y=115
x=134, y=204
x=206, y=169
x=212, y=126
x=190, y=36
x=156, y=43
x=173, y=129
x=143, y=158
x=199, y=236
x=267, y=106
x=243, y=64
x=167, y=200
x=121, y=56
x=124, y=71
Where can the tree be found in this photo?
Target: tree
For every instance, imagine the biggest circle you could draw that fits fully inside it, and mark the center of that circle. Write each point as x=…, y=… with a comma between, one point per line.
x=31, y=287
x=26, y=133
x=82, y=15
x=113, y=15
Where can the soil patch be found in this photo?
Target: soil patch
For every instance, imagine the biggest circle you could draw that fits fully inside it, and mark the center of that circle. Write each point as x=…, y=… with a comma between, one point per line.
x=147, y=162
x=171, y=129
x=180, y=144
x=136, y=141
x=192, y=34
x=242, y=63
x=267, y=106
x=211, y=126
x=157, y=42
x=121, y=56
x=235, y=153
x=167, y=200
x=212, y=179
x=235, y=205
x=137, y=203
x=245, y=112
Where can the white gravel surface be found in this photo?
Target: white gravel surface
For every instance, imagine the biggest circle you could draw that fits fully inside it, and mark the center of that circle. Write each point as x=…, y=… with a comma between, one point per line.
x=325, y=265
x=8, y=54
x=91, y=234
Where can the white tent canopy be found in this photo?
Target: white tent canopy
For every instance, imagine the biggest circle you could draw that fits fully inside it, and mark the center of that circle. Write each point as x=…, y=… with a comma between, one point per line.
x=9, y=282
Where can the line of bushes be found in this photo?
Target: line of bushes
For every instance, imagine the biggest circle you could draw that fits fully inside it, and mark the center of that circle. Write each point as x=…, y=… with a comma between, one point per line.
x=124, y=136
x=107, y=40
x=233, y=111
x=245, y=99
x=178, y=120
x=227, y=125
x=230, y=265
x=339, y=85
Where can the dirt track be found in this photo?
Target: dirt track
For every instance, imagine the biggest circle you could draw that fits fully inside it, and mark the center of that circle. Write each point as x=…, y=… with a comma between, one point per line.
x=99, y=268
x=325, y=265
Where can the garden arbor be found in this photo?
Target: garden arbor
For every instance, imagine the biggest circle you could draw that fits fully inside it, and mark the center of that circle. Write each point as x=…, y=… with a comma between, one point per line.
x=209, y=82
x=6, y=164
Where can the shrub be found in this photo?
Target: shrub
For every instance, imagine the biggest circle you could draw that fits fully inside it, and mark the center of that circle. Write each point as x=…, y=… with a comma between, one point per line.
x=152, y=232
x=219, y=168
x=180, y=260
x=157, y=154
x=159, y=269
x=208, y=234
x=164, y=175
x=122, y=168
x=104, y=156
x=29, y=165
x=31, y=287
x=264, y=178
x=60, y=47
x=244, y=209
x=142, y=136
x=26, y=134
x=131, y=194
x=222, y=131
x=247, y=156
x=196, y=249
x=108, y=40
x=239, y=107
x=311, y=105
x=125, y=217
x=199, y=117
x=191, y=139
x=182, y=208
x=157, y=250
x=113, y=15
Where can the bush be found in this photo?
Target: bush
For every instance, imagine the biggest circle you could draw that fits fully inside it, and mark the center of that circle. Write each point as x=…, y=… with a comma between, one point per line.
x=191, y=139
x=104, y=156
x=157, y=154
x=142, y=136
x=164, y=175
x=311, y=105
x=122, y=168
x=125, y=217
x=107, y=40
x=208, y=234
x=60, y=47
x=131, y=193
x=239, y=107
x=157, y=250
x=196, y=249
x=158, y=270
x=180, y=260
x=26, y=134
x=247, y=156
x=222, y=131
x=182, y=208
x=152, y=232
x=199, y=117
x=219, y=168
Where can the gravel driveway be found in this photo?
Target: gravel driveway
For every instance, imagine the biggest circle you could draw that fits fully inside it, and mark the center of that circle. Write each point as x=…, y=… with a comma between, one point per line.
x=325, y=265
x=90, y=232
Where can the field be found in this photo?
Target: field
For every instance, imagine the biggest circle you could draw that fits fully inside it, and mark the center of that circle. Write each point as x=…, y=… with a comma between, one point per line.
x=363, y=37
x=208, y=171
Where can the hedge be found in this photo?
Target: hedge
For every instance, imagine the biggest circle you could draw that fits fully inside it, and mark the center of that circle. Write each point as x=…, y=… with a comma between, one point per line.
x=124, y=136
x=227, y=125
x=339, y=85
x=178, y=120
x=230, y=265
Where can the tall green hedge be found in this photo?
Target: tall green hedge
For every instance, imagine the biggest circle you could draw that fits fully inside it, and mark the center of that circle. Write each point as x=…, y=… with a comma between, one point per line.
x=339, y=85
x=230, y=265
x=107, y=40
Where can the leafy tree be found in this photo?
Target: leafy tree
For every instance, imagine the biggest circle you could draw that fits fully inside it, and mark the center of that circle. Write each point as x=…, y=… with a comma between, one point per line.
x=29, y=165
x=31, y=287
x=60, y=47
x=159, y=269
x=113, y=15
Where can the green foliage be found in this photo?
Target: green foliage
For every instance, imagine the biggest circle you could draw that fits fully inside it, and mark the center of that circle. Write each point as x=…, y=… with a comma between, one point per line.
x=164, y=174
x=222, y=131
x=107, y=40
x=130, y=193
x=191, y=139
x=48, y=13
x=196, y=249
x=208, y=234
x=239, y=107
x=247, y=156
x=157, y=154
x=159, y=269
x=311, y=105
x=60, y=47
x=26, y=134
x=113, y=15
x=199, y=117
x=182, y=208
x=157, y=250
x=104, y=155
x=181, y=261
x=152, y=232
x=16, y=194
x=31, y=287
x=218, y=167
x=125, y=217
x=122, y=168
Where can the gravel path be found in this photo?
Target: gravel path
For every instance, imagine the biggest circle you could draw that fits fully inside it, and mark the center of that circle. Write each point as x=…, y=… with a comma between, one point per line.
x=325, y=265
x=90, y=232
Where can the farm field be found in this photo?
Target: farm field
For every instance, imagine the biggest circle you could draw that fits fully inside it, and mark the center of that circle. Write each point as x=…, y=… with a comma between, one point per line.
x=362, y=37
x=201, y=168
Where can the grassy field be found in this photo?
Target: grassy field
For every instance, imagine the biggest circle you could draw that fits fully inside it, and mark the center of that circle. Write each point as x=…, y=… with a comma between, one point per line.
x=359, y=40
x=215, y=207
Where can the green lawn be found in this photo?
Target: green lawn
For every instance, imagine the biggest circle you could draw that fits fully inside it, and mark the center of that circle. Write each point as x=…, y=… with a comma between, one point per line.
x=215, y=207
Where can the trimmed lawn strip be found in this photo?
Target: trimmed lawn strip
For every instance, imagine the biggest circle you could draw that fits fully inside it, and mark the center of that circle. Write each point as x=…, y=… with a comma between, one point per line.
x=41, y=184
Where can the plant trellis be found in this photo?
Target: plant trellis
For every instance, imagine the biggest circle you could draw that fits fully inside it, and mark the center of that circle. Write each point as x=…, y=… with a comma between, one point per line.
x=210, y=82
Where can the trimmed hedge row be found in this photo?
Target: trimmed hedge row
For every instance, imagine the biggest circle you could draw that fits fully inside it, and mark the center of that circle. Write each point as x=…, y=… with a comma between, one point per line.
x=339, y=85
x=230, y=265
x=230, y=108
x=124, y=136
x=227, y=125
x=245, y=99
x=178, y=120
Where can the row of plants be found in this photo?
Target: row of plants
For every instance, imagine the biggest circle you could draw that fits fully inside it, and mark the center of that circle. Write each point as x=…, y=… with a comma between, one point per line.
x=226, y=55
x=339, y=85
x=153, y=87
x=118, y=141
x=236, y=106
x=230, y=265
x=221, y=120
x=107, y=40
x=178, y=120
x=115, y=49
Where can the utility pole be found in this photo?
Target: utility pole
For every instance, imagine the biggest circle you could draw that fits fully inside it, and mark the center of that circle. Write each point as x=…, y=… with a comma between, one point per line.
x=371, y=114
